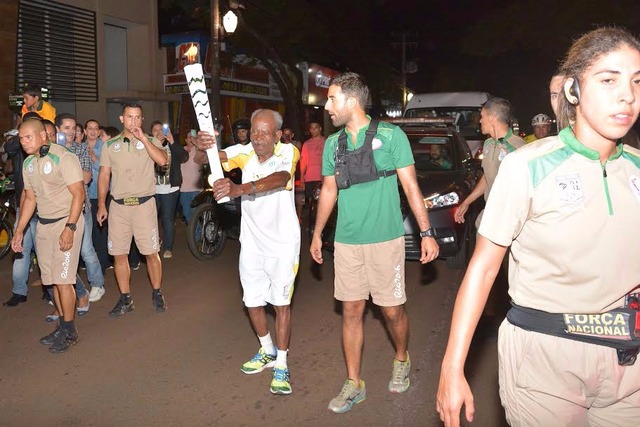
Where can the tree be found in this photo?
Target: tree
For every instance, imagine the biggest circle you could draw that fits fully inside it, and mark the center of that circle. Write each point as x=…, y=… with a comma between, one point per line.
x=281, y=33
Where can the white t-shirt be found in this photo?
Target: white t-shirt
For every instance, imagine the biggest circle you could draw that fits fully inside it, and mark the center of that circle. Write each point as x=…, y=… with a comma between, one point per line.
x=269, y=225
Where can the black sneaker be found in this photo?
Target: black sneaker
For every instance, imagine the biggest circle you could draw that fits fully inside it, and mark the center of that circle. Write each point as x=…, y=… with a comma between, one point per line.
x=124, y=305
x=135, y=266
x=15, y=300
x=52, y=337
x=64, y=340
x=158, y=300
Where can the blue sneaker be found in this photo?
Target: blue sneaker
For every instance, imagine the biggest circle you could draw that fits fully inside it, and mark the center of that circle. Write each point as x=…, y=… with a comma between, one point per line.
x=349, y=396
x=259, y=362
x=280, y=382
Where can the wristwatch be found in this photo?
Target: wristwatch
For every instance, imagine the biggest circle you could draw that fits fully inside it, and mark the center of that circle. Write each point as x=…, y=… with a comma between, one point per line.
x=430, y=232
x=71, y=225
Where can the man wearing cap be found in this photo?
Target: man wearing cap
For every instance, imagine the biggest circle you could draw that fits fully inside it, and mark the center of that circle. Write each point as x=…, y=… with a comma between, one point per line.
x=541, y=124
x=53, y=183
x=128, y=159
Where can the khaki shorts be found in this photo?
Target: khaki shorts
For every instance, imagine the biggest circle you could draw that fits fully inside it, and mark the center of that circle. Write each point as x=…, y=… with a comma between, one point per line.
x=375, y=269
x=553, y=381
x=57, y=267
x=139, y=222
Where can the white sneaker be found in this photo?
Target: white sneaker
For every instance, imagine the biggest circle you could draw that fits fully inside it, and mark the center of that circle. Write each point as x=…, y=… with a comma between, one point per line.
x=167, y=254
x=96, y=293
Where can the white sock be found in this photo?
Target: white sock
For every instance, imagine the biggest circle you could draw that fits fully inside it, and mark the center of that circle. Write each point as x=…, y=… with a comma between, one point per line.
x=267, y=344
x=281, y=359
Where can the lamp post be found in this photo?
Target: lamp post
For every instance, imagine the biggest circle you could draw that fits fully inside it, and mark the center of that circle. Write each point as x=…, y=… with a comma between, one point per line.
x=230, y=23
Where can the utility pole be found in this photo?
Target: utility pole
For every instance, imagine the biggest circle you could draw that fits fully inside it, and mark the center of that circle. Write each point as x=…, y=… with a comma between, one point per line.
x=406, y=66
x=215, y=60
x=404, y=71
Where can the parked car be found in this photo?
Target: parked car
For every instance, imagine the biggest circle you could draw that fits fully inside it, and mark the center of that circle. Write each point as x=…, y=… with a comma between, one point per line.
x=447, y=172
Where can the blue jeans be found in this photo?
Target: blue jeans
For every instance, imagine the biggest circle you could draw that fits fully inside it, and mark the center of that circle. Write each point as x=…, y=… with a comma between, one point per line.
x=185, y=202
x=22, y=261
x=167, y=204
x=88, y=254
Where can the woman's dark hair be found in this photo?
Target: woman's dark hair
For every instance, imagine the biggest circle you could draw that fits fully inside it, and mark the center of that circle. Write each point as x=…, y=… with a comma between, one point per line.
x=583, y=54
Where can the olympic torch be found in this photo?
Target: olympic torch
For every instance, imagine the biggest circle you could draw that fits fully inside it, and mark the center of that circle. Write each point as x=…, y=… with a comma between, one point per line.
x=198, y=89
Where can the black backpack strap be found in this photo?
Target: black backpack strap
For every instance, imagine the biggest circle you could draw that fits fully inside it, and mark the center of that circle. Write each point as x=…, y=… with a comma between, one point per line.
x=371, y=132
x=341, y=148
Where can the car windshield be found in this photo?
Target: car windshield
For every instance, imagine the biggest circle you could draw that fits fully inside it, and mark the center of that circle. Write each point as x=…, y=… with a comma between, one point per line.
x=432, y=152
x=466, y=119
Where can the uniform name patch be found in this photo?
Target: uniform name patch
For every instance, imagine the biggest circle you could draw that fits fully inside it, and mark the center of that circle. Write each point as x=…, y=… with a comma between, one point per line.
x=606, y=325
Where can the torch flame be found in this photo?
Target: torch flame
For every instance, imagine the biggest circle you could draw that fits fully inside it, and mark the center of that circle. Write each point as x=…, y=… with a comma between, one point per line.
x=191, y=54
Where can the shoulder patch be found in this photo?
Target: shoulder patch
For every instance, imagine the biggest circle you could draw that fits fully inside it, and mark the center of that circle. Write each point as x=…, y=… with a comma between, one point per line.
x=540, y=167
x=55, y=158
x=28, y=160
x=632, y=155
x=114, y=140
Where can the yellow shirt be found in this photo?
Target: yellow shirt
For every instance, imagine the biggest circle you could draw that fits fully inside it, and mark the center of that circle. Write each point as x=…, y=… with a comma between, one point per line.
x=47, y=111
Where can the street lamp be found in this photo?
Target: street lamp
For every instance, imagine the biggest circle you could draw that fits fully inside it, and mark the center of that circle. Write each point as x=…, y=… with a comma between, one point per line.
x=230, y=24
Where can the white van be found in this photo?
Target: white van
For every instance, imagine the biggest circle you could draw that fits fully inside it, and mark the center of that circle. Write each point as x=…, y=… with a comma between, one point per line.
x=463, y=107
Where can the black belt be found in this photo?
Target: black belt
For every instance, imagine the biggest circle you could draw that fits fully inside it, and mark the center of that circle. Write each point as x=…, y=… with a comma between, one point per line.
x=132, y=201
x=618, y=328
x=45, y=221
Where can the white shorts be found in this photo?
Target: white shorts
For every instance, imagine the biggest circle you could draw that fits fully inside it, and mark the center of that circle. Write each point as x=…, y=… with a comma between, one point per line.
x=267, y=279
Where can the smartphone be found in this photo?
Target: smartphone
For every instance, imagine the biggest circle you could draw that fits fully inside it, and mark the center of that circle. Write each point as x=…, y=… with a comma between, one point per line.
x=194, y=133
x=165, y=129
x=61, y=138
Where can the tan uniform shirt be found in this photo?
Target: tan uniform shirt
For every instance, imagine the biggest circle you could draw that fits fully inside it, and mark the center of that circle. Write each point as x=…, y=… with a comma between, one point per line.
x=48, y=177
x=132, y=173
x=572, y=223
x=492, y=154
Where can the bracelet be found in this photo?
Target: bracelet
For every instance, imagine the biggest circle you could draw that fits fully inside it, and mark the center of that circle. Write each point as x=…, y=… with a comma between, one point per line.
x=253, y=188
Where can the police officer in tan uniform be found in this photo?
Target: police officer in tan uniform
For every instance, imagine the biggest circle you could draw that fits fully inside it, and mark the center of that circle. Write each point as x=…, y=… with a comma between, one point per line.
x=568, y=207
x=53, y=183
x=127, y=162
x=495, y=118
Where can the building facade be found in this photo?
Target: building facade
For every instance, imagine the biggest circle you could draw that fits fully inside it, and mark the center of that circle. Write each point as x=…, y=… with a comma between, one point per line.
x=92, y=56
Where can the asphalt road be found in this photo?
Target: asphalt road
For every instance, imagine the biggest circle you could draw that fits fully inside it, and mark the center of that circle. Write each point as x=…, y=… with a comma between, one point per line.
x=182, y=367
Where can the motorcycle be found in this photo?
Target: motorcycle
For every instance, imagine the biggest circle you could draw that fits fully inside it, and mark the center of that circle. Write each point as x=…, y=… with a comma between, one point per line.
x=211, y=223
x=7, y=214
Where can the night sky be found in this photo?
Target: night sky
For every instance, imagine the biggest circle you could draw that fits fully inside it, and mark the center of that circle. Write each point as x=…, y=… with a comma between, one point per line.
x=507, y=48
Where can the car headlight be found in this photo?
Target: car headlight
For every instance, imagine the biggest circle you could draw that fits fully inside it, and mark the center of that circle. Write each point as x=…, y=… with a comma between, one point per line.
x=442, y=200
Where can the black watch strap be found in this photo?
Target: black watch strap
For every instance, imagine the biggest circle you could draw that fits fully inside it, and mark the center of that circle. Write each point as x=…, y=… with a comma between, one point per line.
x=71, y=225
x=430, y=232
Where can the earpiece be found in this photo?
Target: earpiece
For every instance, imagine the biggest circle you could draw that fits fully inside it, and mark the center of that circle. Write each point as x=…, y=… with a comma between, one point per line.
x=44, y=150
x=574, y=90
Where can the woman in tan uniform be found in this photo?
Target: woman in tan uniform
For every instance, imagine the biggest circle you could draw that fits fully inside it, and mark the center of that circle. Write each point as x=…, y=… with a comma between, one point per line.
x=569, y=207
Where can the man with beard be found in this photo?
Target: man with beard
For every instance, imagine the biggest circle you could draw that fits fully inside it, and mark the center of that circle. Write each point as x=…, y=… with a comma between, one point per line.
x=369, y=252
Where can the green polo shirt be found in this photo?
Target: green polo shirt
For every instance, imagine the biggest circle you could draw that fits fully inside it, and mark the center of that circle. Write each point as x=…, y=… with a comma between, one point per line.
x=370, y=212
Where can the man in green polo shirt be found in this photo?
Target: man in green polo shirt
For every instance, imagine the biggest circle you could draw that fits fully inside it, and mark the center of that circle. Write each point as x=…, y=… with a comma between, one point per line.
x=369, y=240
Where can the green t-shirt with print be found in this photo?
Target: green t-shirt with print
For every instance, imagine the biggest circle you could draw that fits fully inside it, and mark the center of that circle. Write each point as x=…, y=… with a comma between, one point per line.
x=370, y=212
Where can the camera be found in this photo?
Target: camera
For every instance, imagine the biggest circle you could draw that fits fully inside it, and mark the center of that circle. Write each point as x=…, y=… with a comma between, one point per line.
x=61, y=138
x=165, y=129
